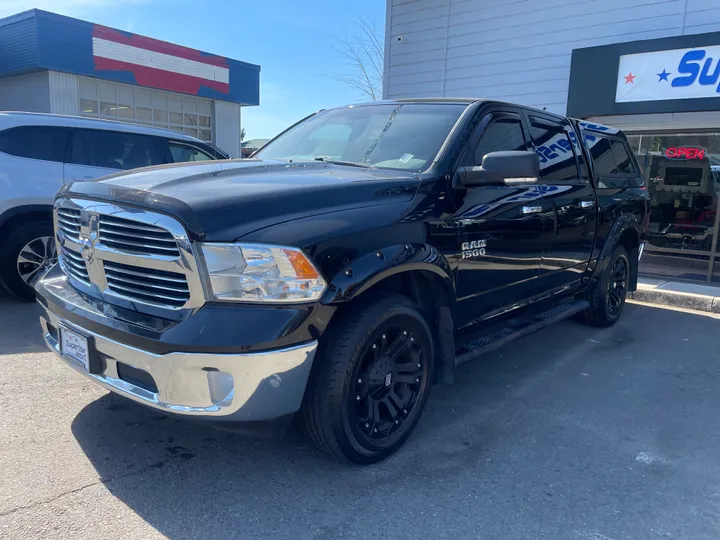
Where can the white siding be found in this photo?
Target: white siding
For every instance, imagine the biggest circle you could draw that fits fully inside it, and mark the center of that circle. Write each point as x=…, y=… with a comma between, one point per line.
x=518, y=50
x=64, y=93
x=227, y=127
x=28, y=92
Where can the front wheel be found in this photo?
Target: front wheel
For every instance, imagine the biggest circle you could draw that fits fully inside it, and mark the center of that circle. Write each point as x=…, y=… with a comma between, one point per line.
x=371, y=380
x=26, y=254
x=607, y=295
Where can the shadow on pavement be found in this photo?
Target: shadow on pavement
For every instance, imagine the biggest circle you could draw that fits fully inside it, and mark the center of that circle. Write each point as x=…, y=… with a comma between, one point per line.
x=19, y=326
x=191, y=481
x=505, y=432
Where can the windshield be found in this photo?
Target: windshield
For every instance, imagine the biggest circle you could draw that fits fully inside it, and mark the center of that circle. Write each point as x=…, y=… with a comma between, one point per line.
x=404, y=136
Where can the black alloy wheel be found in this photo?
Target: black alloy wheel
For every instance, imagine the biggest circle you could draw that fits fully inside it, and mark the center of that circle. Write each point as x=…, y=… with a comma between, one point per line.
x=607, y=295
x=387, y=384
x=617, y=286
x=370, y=380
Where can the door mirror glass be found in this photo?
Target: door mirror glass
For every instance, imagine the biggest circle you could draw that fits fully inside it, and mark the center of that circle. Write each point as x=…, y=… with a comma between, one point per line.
x=508, y=168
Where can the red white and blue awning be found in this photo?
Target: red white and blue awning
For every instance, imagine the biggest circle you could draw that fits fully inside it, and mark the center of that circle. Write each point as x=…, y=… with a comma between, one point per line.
x=159, y=64
x=38, y=39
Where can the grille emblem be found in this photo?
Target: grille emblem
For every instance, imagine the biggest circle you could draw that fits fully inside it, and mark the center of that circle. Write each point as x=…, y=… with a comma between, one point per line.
x=88, y=251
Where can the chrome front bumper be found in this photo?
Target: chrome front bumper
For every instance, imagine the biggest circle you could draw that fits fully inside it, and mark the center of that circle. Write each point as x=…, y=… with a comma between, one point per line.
x=251, y=387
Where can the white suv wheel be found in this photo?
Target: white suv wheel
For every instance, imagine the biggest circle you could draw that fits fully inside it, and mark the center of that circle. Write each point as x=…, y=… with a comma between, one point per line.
x=36, y=258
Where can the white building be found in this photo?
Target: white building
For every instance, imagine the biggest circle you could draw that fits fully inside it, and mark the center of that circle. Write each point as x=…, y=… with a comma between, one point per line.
x=650, y=68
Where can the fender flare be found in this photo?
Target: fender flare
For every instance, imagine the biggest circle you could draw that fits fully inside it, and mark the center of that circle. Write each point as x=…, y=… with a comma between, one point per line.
x=371, y=268
x=366, y=271
x=624, y=223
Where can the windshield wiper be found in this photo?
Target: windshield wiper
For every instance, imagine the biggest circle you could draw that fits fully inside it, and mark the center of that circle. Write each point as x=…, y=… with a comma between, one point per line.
x=338, y=162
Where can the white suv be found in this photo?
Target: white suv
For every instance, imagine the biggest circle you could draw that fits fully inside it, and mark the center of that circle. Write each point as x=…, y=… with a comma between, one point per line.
x=41, y=152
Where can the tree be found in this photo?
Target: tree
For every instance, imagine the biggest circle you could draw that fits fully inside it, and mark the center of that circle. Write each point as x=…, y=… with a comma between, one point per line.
x=363, y=53
x=242, y=134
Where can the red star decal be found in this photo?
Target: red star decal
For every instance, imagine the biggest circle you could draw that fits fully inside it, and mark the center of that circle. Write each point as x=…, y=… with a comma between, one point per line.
x=630, y=78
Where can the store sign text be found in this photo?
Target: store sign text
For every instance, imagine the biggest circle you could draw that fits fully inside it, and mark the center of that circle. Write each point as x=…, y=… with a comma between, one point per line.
x=682, y=152
x=675, y=74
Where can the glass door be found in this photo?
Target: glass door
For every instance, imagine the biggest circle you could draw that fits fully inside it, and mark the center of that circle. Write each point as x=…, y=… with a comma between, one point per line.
x=682, y=175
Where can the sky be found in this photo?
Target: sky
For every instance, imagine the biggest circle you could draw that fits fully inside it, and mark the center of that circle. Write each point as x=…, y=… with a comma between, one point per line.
x=291, y=40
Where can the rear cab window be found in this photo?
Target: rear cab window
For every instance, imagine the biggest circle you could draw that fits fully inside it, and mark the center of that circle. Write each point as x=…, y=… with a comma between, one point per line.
x=46, y=143
x=556, y=150
x=612, y=159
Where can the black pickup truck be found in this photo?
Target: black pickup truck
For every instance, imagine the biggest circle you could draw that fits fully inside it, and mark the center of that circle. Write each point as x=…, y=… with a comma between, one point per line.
x=356, y=259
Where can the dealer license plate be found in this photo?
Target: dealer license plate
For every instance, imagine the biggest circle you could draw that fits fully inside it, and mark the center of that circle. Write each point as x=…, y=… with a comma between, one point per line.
x=75, y=347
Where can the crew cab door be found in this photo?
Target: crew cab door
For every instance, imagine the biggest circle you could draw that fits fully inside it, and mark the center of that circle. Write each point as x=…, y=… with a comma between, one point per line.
x=564, y=180
x=503, y=229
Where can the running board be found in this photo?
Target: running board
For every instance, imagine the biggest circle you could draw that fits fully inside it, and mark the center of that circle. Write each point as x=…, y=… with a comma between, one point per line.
x=501, y=336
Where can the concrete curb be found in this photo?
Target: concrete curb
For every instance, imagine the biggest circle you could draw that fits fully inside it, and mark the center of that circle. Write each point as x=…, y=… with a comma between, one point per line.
x=672, y=294
x=695, y=302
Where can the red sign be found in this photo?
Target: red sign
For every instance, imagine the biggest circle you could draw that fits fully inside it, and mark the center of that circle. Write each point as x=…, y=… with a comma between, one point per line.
x=685, y=152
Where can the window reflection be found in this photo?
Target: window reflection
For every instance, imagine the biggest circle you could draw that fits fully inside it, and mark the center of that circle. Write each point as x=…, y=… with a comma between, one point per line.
x=675, y=266
x=682, y=174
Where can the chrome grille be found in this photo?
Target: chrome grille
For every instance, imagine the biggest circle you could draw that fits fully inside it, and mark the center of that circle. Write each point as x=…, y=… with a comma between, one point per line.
x=74, y=265
x=146, y=284
x=68, y=221
x=129, y=257
x=135, y=237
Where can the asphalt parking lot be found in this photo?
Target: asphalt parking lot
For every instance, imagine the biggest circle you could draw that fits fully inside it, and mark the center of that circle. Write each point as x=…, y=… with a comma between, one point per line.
x=573, y=433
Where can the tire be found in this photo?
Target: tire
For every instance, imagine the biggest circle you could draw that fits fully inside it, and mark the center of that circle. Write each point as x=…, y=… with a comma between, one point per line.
x=607, y=295
x=362, y=403
x=36, y=242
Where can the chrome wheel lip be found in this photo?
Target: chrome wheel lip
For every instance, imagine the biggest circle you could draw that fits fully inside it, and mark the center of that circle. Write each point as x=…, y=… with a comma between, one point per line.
x=35, y=259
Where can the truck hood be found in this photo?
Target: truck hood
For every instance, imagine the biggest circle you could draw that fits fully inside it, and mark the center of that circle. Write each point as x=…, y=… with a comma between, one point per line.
x=224, y=200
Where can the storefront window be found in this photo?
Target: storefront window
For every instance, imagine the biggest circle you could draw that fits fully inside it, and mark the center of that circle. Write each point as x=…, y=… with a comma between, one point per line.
x=120, y=102
x=674, y=265
x=680, y=172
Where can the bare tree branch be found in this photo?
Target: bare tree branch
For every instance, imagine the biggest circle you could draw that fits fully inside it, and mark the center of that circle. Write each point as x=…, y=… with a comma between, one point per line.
x=363, y=55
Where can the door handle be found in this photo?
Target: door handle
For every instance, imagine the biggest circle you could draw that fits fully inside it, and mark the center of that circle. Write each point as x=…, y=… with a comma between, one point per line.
x=532, y=209
x=587, y=204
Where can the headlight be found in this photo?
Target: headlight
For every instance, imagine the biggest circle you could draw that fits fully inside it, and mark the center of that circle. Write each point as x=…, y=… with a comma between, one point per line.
x=260, y=273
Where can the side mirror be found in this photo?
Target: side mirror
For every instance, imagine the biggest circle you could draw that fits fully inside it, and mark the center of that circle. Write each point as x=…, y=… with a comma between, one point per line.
x=510, y=168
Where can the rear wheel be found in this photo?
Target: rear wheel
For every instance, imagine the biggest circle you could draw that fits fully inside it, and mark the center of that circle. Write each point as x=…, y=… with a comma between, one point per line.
x=607, y=296
x=26, y=254
x=371, y=381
